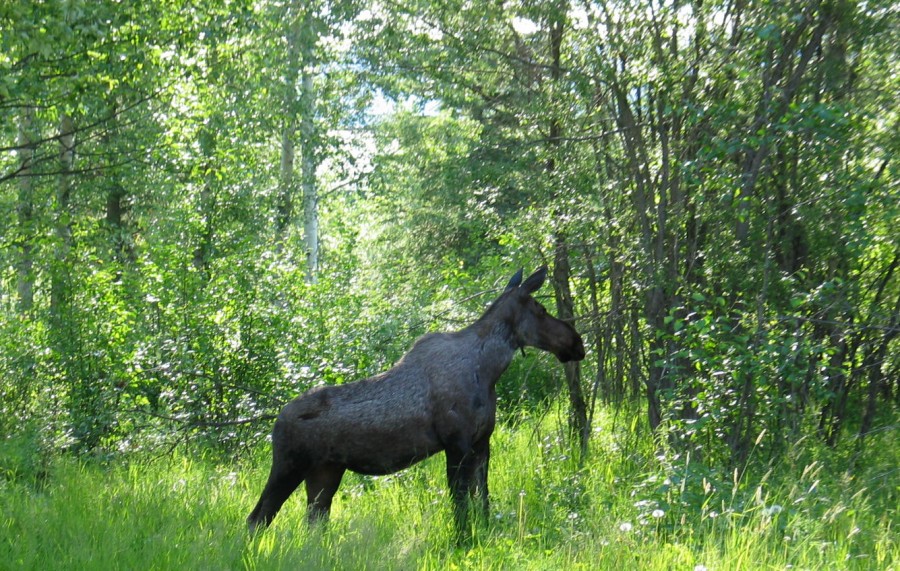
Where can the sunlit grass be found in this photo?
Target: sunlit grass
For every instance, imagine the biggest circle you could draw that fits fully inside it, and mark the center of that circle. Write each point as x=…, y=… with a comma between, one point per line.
x=620, y=510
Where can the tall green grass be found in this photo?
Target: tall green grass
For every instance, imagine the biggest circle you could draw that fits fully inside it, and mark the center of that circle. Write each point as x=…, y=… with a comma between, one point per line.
x=629, y=506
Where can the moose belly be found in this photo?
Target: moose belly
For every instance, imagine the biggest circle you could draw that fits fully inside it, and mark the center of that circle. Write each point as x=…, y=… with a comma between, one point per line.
x=377, y=453
x=376, y=466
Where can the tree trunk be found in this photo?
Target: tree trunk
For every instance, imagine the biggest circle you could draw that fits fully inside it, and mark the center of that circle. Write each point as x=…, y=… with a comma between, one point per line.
x=872, y=364
x=308, y=178
x=309, y=150
x=302, y=37
x=601, y=382
x=875, y=355
x=209, y=194
x=25, y=212
x=121, y=246
x=59, y=276
x=203, y=252
x=116, y=211
x=578, y=418
x=788, y=71
x=285, y=183
x=578, y=421
x=285, y=206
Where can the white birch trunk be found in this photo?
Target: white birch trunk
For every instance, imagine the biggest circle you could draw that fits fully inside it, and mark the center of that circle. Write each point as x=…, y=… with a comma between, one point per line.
x=301, y=36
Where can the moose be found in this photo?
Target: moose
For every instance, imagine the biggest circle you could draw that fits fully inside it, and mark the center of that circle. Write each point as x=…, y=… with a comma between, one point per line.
x=440, y=396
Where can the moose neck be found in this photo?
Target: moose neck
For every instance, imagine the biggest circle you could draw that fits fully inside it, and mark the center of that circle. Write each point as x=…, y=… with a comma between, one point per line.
x=497, y=344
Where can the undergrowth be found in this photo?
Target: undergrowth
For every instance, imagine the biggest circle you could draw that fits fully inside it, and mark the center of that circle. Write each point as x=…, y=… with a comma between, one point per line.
x=631, y=504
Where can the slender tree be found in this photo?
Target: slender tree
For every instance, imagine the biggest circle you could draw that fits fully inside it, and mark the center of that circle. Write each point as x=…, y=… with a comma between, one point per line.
x=59, y=287
x=25, y=210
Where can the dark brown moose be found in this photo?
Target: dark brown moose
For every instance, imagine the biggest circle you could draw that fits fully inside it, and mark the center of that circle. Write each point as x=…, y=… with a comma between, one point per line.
x=439, y=396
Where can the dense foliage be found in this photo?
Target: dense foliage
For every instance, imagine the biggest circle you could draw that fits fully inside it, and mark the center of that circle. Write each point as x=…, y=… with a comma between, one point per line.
x=712, y=183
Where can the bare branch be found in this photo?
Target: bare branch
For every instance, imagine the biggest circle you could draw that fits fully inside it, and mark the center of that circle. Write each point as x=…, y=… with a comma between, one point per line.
x=193, y=423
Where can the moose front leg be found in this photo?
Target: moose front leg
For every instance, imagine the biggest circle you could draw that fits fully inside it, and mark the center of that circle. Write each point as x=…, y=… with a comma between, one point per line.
x=479, y=487
x=460, y=475
x=467, y=477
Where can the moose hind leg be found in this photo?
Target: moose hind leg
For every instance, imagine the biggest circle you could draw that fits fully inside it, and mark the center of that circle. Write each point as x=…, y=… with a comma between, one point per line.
x=284, y=477
x=321, y=484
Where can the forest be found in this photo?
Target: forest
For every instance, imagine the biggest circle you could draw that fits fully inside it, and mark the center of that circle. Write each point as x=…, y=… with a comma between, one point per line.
x=210, y=207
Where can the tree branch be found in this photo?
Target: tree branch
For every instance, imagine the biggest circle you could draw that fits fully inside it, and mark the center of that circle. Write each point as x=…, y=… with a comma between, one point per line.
x=189, y=423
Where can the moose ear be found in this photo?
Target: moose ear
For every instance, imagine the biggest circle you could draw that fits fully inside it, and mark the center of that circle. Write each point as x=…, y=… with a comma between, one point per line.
x=514, y=281
x=535, y=280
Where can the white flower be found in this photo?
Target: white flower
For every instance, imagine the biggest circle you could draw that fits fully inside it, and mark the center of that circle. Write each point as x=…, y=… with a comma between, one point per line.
x=658, y=513
x=625, y=526
x=699, y=567
x=774, y=509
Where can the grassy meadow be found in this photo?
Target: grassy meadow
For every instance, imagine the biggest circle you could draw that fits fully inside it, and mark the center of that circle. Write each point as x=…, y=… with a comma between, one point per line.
x=630, y=506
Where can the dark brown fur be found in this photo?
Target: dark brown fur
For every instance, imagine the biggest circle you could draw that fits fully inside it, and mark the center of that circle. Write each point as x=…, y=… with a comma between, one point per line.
x=439, y=397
